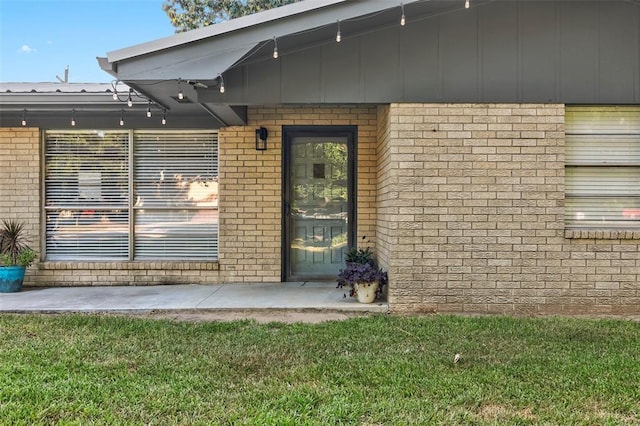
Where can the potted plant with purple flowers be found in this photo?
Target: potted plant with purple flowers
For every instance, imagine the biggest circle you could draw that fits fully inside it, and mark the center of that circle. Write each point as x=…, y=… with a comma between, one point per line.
x=363, y=276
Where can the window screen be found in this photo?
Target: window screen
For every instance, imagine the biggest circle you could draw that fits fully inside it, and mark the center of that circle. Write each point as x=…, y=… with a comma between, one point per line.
x=86, y=195
x=602, y=167
x=93, y=200
x=176, y=191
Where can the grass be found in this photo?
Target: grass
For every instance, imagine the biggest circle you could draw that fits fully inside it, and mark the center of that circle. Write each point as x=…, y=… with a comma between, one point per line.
x=91, y=369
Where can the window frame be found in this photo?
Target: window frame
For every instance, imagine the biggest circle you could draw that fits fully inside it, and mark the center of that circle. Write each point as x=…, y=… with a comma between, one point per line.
x=212, y=138
x=597, y=172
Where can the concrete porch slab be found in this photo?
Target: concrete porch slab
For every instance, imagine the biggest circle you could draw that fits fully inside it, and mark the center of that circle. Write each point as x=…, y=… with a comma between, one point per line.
x=218, y=297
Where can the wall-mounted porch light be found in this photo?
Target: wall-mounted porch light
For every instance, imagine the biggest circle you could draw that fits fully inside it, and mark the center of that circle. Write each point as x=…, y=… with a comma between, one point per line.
x=261, y=139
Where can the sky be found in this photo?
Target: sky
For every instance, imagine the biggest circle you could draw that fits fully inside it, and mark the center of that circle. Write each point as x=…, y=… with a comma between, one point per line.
x=40, y=38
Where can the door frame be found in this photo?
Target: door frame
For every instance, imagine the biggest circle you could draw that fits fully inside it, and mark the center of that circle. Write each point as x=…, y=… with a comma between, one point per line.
x=290, y=132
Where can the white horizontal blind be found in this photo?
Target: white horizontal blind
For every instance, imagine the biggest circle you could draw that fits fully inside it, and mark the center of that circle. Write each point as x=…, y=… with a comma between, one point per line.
x=176, y=195
x=86, y=194
x=602, y=167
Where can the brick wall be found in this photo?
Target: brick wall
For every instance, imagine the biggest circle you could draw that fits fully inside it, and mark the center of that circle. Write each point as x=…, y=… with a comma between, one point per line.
x=476, y=192
x=19, y=179
x=388, y=184
x=250, y=202
x=463, y=203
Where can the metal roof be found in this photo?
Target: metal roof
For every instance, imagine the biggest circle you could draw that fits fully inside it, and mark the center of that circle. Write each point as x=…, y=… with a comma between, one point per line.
x=50, y=105
x=53, y=96
x=53, y=87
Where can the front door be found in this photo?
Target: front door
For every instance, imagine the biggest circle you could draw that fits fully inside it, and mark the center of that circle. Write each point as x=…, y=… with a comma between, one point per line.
x=319, y=205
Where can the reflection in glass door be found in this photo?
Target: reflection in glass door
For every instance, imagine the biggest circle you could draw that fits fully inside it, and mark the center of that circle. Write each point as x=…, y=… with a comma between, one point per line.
x=318, y=201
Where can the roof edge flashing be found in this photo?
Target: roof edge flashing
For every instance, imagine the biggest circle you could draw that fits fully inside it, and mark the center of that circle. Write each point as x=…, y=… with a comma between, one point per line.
x=218, y=29
x=106, y=66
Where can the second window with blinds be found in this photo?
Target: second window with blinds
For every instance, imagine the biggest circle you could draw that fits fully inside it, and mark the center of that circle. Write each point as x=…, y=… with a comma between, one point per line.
x=132, y=195
x=602, y=187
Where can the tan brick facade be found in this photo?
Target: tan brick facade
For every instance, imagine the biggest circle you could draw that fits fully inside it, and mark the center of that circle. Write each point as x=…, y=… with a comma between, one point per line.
x=251, y=185
x=20, y=178
x=250, y=202
x=471, y=210
x=463, y=202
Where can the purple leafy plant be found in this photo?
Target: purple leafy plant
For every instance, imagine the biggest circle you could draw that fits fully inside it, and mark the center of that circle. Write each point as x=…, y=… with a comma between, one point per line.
x=361, y=267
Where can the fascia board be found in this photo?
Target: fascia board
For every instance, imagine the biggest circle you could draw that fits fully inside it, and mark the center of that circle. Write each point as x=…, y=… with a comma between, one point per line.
x=218, y=29
x=65, y=100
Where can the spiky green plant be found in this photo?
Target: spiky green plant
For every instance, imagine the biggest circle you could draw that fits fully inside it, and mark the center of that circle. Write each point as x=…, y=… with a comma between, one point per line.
x=14, y=248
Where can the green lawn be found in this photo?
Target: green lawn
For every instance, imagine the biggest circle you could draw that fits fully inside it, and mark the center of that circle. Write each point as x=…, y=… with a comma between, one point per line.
x=90, y=369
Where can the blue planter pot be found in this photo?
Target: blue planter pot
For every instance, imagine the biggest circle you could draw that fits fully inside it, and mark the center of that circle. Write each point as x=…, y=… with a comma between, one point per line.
x=11, y=278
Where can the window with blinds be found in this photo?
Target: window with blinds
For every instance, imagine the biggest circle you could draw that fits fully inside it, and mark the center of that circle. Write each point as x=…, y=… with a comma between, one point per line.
x=602, y=171
x=176, y=191
x=122, y=195
x=86, y=195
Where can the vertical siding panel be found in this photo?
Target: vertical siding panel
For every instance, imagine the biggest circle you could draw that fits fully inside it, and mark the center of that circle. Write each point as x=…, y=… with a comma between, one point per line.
x=459, y=54
x=341, y=71
x=379, y=64
x=579, y=44
x=419, y=61
x=538, y=37
x=618, y=36
x=637, y=63
x=301, y=76
x=498, y=52
x=263, y=80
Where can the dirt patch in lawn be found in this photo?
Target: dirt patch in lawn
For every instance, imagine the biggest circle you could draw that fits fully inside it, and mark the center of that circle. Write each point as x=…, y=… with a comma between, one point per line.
x=259, y=315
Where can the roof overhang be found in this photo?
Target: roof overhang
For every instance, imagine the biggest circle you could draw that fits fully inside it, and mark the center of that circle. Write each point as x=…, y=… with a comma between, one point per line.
x=52, y=105
x=195, y=61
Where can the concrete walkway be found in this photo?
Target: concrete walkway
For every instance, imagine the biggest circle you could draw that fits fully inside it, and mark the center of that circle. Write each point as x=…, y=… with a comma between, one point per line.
x=300, y=296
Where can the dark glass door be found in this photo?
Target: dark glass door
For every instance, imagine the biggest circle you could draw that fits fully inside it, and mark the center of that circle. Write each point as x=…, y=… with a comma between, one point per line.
x=319, y=204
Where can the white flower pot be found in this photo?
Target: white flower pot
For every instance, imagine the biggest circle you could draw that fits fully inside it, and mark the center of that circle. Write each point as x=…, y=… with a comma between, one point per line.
x=366, y=292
